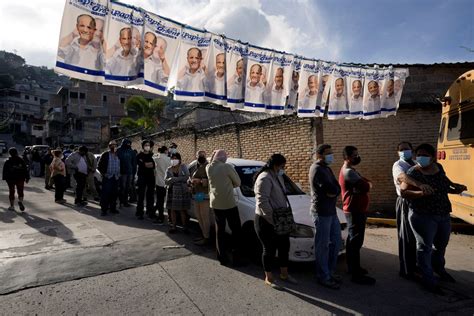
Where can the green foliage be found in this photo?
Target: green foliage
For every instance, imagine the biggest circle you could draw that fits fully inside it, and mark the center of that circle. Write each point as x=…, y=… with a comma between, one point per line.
x=142, y=113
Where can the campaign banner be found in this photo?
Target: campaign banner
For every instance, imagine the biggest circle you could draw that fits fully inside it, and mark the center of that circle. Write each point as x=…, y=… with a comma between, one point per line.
x=387, y=95
x=279, y=75
x=236, y=68
x=191, y=81
x=123, y=45
x=371, y=101
x=325, y=70
x=399, y=77
x=355, y=92
x=216, y=71
x=80, y=40
x=258, y=66
x=309, y=89
x=338, y=107
x=161, y=40
x=293, y=86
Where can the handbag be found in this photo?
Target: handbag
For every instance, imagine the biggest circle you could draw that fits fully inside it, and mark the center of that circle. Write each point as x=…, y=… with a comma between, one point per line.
x=283, y=221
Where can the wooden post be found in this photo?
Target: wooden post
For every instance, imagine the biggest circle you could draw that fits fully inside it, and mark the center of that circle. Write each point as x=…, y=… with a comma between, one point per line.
x=318, y=131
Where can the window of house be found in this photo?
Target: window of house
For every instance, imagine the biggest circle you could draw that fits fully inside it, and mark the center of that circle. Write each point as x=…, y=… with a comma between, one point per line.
x=78, y=125
x=104, y=98
x=27, y=97
x=87, y=111
x=36, y=98
x=82, y=95
x=73, y=95
x=37, y=128
x=122, y=100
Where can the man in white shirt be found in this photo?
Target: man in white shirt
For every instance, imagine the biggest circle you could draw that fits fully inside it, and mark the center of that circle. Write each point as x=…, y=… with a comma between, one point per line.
x=162, y=162
x=153, y=69
x=308, y=102
x=293, y=95
x=389, y=96
x=373, y=101
x=276, y=94
x=235, y=85
x=356, y=101
x=193, y=77
x=78, y=164
x=217, y=80
x=255, y=89
x=124, y=59
x=406, y=239
x=77, y=47
x=339, y=101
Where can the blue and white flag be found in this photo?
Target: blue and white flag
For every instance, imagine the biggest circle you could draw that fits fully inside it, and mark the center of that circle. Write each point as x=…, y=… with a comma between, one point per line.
x=371, y=101
x=276, y=92
x=123, y=45
x=355, y=92
x=236, y=67
x=258, y=66
x=192, y=72
x=160, y=46
x=308, y=89
x=338, y=107
x=293, y=86
x=80, y=41
x=216, y=71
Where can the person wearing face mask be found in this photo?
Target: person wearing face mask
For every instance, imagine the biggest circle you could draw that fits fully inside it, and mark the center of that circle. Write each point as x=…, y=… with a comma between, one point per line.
x=173, y=149
x=58, y=175
x=429, y=215
x=355, y=199
x=109, y=168
x=406, y=239
x=162, y=163
x=200, y=186
x=146, y=181
x=178, y=198
x=269, y=196
x=77, y=163
x=128, y=169
x=324, y=192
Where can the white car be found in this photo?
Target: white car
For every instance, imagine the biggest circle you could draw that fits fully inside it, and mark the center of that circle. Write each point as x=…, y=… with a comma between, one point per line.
x=302, y=240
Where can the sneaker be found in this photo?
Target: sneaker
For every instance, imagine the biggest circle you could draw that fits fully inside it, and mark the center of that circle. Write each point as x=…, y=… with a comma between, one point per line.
x=446, y=277
x=363, y=280
x=158, y=221
x=360, y=271
x=172, y=230
x=273, y=285
x=60, y=201
x=288, y=279
x=202, y=242
x=22, y=208
x=11, y=208
x=330, y=284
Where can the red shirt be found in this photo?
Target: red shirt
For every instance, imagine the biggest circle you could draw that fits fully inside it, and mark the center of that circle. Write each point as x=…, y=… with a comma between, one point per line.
x=355, y=190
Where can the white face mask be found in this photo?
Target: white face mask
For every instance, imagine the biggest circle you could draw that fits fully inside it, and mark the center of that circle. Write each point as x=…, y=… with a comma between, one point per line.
x=174, y=162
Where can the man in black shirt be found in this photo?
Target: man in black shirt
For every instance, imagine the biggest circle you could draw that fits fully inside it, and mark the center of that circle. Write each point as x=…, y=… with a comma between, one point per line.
x=146, y=180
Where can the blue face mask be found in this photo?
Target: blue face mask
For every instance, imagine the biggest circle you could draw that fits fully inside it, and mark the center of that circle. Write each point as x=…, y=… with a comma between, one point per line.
x=405, y=154
x=281, y=172
x=329, y=159
x=423, y=161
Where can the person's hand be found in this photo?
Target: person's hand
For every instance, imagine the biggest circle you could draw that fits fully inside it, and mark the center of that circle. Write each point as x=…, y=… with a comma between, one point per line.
x=331, y=195
x=427, y=190
x=460, y=188
x=75, y=33
x=148, y=164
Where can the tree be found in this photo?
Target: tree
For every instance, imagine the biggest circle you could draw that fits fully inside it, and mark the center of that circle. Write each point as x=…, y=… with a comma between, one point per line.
x=142, y=113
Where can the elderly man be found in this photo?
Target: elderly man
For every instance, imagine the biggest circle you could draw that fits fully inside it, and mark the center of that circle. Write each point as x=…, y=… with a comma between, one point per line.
x=222, y=180
x=109, y=168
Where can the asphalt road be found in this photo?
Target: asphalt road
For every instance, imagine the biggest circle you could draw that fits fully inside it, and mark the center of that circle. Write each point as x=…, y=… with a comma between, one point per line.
x=62, y=260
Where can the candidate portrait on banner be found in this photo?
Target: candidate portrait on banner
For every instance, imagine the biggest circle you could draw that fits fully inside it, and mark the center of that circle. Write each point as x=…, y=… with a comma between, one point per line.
x=235, y=73
x=80, y=53
x=337, y=107
x=216, y=71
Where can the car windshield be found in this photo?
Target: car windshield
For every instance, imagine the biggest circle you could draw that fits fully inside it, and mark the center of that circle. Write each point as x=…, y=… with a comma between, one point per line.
x=247, y=173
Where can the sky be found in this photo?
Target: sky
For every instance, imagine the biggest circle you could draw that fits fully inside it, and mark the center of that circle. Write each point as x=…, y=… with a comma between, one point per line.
x=362, y=31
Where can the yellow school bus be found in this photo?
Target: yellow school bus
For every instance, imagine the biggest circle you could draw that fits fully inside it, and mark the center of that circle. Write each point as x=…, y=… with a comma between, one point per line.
x=456, y=142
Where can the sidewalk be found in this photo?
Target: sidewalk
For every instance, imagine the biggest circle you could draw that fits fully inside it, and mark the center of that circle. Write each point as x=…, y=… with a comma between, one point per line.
x=51, y=243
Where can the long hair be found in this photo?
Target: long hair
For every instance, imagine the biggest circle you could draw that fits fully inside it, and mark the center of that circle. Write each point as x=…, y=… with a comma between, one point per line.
x=275, y=160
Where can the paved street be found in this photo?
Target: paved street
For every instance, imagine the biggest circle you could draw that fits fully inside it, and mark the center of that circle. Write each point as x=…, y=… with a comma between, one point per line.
x=58, y=259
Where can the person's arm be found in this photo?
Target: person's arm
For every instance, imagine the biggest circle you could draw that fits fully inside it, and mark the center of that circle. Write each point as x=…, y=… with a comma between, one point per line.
x=234, y=177
x=183, y=175
x=6, y=167
x=323, y=184
x=359, y=184
x=263, y=189
x=455, y=188
x=169, y=178
x=408, y=192
x=403, y=177
x=66, y=40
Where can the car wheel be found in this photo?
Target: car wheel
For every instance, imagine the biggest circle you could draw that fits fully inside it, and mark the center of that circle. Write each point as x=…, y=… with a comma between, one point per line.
x=253, y=247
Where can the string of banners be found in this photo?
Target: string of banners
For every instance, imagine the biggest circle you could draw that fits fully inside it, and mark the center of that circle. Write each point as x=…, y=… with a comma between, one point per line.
x=114, y=43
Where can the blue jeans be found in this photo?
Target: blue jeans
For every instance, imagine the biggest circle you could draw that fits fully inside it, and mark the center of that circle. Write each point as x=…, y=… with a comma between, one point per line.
x=108, y=197
x=327, y=243
x=430, y=230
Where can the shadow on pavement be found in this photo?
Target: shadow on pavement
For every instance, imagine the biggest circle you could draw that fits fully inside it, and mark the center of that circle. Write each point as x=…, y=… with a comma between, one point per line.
x=7, y=216
x=50, y=227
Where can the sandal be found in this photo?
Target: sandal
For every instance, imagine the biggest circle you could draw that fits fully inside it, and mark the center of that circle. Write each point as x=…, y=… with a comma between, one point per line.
x=273, y=285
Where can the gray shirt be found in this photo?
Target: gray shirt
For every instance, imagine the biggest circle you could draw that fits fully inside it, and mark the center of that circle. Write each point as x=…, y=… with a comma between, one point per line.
x=269, y=195
x=323, y=183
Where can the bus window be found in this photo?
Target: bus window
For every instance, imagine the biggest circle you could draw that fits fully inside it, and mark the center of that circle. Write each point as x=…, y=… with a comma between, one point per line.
x=441, y=130
x=461, y=127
